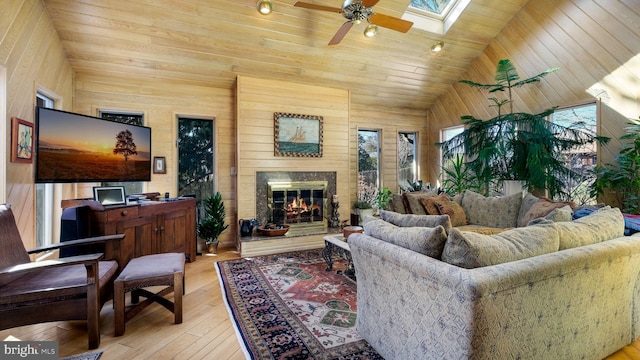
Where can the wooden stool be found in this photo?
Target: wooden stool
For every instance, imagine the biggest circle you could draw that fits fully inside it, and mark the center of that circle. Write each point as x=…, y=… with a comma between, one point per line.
x=146, y=271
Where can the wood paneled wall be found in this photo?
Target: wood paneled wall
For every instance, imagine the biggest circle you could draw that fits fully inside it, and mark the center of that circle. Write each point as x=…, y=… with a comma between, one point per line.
x=162, y=102
x=594, y=43
x=257, y=101
x=32, y=54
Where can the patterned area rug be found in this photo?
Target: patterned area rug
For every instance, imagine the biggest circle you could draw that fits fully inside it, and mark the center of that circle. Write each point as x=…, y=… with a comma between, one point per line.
x=286, y=306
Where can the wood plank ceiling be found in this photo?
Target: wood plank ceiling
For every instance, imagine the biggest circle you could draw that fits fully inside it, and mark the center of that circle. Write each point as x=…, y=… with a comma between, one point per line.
x=210, y=42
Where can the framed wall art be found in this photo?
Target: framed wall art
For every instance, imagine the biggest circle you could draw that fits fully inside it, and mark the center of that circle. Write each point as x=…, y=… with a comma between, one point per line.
x=159, y=165
x=298, y=135
x=21, y=141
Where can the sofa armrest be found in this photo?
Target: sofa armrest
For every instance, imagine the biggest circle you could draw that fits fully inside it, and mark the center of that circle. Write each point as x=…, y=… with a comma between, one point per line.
x=39, y=265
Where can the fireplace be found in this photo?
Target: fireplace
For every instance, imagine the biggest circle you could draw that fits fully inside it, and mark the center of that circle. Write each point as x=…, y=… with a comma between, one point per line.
x=299, y=204
x=300, y=199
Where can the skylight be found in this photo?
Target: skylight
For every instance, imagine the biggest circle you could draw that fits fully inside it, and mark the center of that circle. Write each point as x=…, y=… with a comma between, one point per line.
x=435, y=16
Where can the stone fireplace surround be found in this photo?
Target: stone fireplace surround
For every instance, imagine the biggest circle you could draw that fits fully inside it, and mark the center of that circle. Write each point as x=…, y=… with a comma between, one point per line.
x=264, y=177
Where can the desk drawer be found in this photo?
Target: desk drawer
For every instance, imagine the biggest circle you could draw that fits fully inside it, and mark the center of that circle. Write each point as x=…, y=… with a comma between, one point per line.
x=126, y=213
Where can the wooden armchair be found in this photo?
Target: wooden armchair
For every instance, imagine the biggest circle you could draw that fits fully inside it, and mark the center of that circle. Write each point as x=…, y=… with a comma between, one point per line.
x=72, y=288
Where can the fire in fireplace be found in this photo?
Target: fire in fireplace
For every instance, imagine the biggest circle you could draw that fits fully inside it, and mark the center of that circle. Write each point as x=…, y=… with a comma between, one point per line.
x=299, y=204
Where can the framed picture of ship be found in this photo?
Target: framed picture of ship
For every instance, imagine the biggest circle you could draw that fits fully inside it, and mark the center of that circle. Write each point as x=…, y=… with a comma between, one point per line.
x=298, y=135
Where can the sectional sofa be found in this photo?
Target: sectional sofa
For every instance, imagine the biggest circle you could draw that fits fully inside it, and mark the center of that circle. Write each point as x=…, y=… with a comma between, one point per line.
x=553, y=290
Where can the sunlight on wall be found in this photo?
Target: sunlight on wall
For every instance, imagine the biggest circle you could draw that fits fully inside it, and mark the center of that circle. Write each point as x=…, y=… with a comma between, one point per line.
x=620, y=90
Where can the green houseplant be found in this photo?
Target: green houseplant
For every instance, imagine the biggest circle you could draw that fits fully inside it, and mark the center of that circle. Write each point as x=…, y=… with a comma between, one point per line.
x=517, y=145
x=621, y=180
x=382, y=200
x=212, y=224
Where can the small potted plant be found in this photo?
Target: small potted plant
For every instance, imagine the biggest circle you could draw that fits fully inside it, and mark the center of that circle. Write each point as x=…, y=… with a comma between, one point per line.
x=362, y=209
x=212, y=224
x=382, y=200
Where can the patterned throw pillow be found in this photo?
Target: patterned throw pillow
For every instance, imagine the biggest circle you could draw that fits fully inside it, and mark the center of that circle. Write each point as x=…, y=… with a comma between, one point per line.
x=412, y=201
x=396, y=203
x=424, y=240
x=471, y=250
x=429, y=203
x=454, y=210
x=496, y=211
x=412, y=220
x=527, y=202
x=601, y=225
x=542, y=208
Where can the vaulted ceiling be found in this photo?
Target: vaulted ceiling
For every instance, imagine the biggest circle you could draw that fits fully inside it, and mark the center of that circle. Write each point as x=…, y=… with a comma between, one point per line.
x=210, y=42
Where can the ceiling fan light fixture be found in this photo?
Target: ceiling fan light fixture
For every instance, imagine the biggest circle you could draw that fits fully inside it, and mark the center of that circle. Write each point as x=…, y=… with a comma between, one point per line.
x=437, y=47
x=264, y=7
x=371, y=30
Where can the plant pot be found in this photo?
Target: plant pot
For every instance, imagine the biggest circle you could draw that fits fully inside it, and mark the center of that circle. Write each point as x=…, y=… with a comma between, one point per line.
x=512, y=187
x=362, y=213
x=213, y=247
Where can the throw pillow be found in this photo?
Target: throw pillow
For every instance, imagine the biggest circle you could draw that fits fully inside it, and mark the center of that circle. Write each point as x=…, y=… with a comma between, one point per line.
x=412, y=201
x=601, y=225
x=397, y=204
x=495, y=211
x=412, y=220
x=471, y=250
x=454, y=210
x=542, y=208
x=424, y=240
x=527, y=202
x=429, y=205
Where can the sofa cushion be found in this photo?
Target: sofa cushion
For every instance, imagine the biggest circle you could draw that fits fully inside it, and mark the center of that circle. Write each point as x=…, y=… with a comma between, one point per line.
x=601, y=225
x=471, y=250
x=496, y=211
x=453, y=209
x=412, y=201
x=429, y=203
x=424, y=240
x=412, y=220
x=542, y=208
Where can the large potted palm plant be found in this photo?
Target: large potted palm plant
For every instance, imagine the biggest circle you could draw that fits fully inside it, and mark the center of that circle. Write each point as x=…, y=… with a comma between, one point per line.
x=212, y=223
x=517, y=145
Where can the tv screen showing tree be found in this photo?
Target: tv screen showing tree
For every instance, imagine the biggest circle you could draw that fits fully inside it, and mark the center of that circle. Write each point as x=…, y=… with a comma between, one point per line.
x=78, y=148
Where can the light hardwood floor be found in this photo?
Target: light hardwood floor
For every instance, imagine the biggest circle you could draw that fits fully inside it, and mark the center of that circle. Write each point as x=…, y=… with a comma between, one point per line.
x=206, y=331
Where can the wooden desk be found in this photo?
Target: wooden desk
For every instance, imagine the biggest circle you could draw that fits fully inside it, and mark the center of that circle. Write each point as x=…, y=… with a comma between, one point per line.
x=153, y=227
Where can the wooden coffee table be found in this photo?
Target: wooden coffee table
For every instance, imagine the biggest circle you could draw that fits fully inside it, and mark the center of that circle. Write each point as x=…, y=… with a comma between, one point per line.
x=339, y=245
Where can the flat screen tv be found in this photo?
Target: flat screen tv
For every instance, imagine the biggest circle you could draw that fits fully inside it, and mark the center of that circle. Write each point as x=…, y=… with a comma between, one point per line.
x=74, y=148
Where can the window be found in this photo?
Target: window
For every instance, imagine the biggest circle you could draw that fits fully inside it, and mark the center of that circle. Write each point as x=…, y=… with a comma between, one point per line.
x=436, y=16
x=581, y=160
x=130, y=187
x=368, y=165
x=407, y=158
x=44, y=194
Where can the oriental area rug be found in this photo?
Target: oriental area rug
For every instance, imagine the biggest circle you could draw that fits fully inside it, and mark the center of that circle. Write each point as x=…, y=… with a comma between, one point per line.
x=287, y=306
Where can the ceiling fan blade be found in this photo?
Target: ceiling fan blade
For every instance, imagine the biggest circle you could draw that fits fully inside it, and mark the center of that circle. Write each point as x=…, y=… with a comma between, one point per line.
x=318, y=7
x=344, y=29
x=369, y=3
x=390, y=22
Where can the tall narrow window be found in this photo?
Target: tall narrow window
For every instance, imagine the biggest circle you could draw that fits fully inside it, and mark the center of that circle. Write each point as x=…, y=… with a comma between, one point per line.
x=44, y=194
x=196, y=168
x=368, y=165
x=448, y=134
x=581, y=160
x=131, y=187
x=407, y=158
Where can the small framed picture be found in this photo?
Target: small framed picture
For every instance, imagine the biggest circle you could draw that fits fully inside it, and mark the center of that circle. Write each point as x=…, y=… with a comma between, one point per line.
x=21, y=141
x=159, y=165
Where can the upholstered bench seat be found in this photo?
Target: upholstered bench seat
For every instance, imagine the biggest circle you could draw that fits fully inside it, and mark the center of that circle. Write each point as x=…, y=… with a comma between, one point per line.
x=147, y=271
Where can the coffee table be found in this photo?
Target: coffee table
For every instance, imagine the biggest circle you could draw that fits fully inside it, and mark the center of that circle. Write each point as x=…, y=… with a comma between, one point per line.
x=339, y=245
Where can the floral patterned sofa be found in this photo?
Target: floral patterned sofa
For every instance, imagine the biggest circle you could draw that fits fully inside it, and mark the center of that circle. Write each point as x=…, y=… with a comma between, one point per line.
x=554, y=290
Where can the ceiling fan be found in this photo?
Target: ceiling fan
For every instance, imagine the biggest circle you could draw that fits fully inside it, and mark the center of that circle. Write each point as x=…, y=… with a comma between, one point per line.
x=355, y=11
